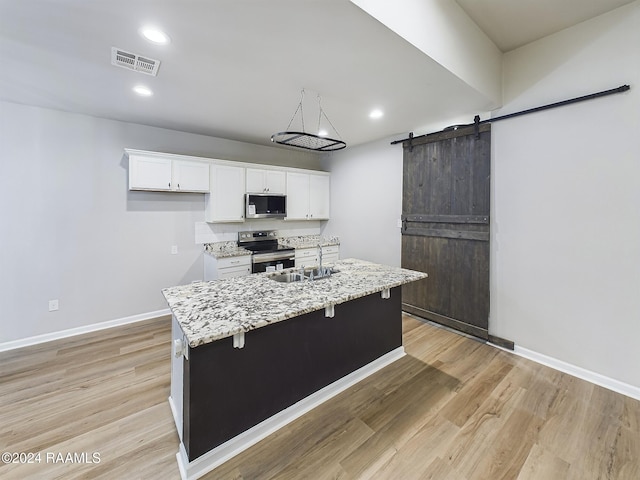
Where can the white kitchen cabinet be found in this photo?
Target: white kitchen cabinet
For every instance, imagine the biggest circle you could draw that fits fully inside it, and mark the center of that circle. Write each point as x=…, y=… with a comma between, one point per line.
x=149, y=173
x=265, y=181
x=330, y=254
x=306, y=257
x=297, y=196
x=227, y=267
x=225, y=203
x=319, y=196
x=163, y=173
x=190, y=176
x=308, y=196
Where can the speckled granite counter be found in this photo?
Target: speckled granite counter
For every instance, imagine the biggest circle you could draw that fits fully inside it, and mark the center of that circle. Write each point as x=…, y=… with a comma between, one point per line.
x=208, y=311
x=308, y=241
x=231, y=249
x=225, y=249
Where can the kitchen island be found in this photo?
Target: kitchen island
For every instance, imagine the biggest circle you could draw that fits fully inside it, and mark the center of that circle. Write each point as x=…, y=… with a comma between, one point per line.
x=251, y=354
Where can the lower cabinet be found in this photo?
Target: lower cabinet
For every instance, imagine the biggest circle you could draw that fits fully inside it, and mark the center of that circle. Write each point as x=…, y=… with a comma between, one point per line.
x=228, y=267
x=330, y=254
x=306, y=257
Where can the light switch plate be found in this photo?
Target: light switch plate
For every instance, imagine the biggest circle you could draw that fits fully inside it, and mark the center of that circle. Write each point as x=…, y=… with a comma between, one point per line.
x=53, y=305
x=174, y=250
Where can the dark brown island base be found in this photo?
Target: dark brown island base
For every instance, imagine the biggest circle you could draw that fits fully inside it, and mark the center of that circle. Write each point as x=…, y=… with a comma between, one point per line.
x=228, y=393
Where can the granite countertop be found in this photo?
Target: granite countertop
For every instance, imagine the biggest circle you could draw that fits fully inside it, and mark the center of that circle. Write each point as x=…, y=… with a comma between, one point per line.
x=225, y=249
x=209, y=311
x=308, y=241
x=231, y=249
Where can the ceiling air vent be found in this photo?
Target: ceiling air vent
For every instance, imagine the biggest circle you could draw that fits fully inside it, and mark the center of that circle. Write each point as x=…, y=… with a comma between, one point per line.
x=132, y=61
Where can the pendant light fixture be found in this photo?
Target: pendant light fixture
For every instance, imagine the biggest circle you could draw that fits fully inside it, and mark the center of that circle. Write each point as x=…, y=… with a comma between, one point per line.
x=301, y=139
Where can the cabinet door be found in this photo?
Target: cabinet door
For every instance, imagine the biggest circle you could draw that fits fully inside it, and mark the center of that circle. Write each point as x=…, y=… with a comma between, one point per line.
x=225, y=203
x=255, y=180
x=319, y=197
x=275, y=181
x=190, y=176
x=306, y=257
x=266, y=181
x=297, y=196
x=234, y=272
x=330, y=254
x=149, y=173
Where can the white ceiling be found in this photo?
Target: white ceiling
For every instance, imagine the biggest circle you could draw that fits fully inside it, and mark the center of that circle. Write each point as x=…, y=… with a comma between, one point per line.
x=235, y=68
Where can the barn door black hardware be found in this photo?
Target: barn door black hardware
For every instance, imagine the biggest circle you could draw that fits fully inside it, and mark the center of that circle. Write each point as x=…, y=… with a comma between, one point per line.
x=477, y=122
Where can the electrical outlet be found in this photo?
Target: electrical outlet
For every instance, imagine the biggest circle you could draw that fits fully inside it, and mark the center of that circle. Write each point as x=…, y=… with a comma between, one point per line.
x=53, y=305
x=399, y=224
x=174, y=250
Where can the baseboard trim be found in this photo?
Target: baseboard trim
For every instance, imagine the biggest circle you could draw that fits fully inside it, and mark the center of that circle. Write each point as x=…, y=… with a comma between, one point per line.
x=216, y=457
x=579, y=372
x=71, y=332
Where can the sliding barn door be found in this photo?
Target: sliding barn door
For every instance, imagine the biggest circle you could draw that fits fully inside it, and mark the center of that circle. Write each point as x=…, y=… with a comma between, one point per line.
x=445, y=232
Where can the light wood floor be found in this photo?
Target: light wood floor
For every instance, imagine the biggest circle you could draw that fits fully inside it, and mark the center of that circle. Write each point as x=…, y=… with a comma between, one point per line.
x=453, y=408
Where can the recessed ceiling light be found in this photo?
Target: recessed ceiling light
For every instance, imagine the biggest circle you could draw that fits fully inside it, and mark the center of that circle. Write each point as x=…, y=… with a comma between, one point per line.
x=323, y=133
x=377, y=113
x=142, y=91
x=155, y=35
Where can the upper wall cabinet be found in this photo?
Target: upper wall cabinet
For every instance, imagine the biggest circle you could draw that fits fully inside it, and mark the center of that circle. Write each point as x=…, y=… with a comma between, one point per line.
x=266, y=181
x=226, y=182
x=225, y=203
x=308, y=196
x=166, y=174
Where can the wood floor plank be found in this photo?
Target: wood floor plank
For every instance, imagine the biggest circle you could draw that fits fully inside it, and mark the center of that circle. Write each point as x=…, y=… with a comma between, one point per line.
x=542, y=463
x=416, y=457
x=451, y=409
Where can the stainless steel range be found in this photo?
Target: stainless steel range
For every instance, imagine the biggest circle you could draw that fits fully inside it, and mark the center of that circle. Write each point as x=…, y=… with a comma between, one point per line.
x=267, y=254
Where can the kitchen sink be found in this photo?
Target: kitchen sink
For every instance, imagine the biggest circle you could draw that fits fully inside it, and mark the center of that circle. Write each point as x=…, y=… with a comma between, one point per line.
x=310, y=274
x=287, y=277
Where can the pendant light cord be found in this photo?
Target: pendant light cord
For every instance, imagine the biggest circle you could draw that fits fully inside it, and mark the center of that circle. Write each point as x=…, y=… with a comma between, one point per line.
x=299, y=109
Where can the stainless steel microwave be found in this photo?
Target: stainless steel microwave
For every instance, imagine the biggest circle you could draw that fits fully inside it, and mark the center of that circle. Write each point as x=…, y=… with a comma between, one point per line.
x=265, y=205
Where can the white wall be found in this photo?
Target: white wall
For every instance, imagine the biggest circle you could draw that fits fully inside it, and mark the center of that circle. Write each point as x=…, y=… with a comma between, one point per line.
x=565, y=271
x=444, y=32
x=366, y=201
x=565, y=266
x=71, y=230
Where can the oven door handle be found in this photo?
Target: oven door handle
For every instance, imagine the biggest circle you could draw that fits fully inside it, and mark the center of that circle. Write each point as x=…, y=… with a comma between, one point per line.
x=269, y=257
